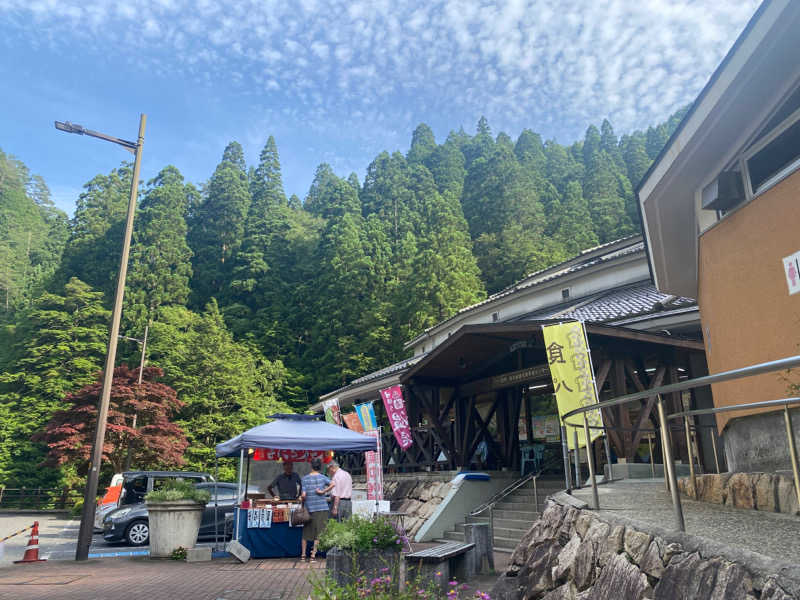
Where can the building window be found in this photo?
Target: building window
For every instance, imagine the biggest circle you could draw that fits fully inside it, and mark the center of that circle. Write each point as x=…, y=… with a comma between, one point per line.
x=565, y=293
x=776, y=160
x=495, y=317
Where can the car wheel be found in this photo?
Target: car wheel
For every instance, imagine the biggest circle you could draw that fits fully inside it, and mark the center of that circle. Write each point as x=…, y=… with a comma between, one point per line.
x=138, y=533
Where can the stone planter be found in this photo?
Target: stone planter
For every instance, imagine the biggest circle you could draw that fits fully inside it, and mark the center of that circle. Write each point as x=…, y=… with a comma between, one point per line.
x=173, y=524
x=343, y=565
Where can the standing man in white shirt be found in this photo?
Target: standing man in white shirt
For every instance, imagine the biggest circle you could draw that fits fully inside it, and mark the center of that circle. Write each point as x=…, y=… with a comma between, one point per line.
x=341, y=488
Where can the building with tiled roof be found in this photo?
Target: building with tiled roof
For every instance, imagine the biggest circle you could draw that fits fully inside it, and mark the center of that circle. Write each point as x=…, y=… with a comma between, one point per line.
x=609, y=284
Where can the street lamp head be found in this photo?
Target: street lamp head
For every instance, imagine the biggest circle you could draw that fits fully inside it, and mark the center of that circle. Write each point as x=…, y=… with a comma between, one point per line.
x=69, y=127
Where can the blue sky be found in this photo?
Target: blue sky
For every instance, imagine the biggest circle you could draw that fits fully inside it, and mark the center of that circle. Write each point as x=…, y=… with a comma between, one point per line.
x=335, y=81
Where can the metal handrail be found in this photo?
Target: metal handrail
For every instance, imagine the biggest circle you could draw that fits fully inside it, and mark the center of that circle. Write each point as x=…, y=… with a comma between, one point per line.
x=758, y=369
x=513, y=487
x=767, y=367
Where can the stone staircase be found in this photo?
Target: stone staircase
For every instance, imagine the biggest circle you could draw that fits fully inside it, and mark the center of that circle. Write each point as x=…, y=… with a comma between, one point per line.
x=513, y=515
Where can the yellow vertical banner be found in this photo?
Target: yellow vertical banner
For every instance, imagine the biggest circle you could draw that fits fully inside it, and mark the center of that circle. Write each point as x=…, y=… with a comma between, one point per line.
x=573, y=376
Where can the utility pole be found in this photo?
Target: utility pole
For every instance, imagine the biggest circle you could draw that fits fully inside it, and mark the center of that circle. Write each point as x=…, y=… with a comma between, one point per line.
x=90, y=495
x=143, y=342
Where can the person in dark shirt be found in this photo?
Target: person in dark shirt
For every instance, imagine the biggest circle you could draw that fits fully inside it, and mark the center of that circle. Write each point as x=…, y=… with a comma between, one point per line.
x=287, y=483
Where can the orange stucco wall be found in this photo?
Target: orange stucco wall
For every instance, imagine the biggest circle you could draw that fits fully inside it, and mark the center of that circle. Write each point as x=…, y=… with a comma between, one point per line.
x=747, y=313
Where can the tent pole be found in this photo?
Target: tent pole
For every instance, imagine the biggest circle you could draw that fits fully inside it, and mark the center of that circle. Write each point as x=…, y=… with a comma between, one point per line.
x=216, y=501
x=247, y=476
x=239, y=493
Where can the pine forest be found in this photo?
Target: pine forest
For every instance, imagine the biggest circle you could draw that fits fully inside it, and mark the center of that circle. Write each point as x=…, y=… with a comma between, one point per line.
x=256, y=303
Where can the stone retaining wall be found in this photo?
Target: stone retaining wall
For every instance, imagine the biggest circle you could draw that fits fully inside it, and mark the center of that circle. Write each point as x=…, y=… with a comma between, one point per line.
x=760, y=491
x=418, y=498
x=572, y=554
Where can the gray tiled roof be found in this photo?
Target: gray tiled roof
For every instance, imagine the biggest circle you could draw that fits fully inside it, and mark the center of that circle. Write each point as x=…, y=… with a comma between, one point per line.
x=612, y=305
x=394, y=368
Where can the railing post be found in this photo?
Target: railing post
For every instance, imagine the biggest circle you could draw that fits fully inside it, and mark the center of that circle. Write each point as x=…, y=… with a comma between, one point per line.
x=564, y=452
x=607, y=447
x=692, y=476
x=577, y=455
x=792, y=450
x=714, y=447
x=652, y=460
x=670, y=467
x=491, y=524
x=590, y=460
x=535, y=495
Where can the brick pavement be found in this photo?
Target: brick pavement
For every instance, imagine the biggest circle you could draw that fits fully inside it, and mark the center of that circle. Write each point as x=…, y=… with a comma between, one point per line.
x=112, y=579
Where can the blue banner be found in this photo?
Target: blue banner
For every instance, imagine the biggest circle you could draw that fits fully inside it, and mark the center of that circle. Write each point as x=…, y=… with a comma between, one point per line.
x=366, y=414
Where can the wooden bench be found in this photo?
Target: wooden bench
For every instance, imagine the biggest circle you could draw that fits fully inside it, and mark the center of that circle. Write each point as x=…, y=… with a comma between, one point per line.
x=449, y=559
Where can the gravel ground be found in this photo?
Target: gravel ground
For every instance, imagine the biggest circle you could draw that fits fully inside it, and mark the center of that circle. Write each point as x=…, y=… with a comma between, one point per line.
x=774, y=535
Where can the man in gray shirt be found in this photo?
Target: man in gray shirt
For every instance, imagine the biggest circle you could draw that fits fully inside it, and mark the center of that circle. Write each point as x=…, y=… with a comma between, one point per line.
x=287, y=484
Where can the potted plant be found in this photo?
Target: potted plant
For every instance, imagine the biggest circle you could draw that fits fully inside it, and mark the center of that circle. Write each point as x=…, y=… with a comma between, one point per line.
x=361, y=548
x=174, y=512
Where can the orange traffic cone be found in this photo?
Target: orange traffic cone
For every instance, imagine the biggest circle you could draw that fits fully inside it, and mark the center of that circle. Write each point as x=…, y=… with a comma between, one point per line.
x=32, y=550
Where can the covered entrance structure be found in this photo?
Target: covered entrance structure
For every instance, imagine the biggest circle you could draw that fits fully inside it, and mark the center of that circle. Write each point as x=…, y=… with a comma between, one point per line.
x=481, y=388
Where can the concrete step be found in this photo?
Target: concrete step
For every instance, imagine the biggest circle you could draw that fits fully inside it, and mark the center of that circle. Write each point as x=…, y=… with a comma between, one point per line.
x=512, y=534
x=512, y=524
x=451, y=536
x=505, y=544
x=518, y=506
x=519, y=515
x=478, y=519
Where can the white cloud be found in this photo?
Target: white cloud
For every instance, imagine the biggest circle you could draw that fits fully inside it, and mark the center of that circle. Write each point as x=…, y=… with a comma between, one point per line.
x=555, y=67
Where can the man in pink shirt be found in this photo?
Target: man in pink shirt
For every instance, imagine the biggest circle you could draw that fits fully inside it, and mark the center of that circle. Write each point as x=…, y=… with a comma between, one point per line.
x=341, y=488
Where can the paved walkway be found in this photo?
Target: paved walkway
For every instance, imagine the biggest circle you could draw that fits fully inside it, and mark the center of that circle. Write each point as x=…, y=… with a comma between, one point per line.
x=774, y=535
x=113, y=579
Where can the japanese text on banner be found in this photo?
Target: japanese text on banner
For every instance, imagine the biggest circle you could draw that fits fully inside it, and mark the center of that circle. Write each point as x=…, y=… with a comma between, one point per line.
x=373, y=462
x=573, y=377
x=396, y=412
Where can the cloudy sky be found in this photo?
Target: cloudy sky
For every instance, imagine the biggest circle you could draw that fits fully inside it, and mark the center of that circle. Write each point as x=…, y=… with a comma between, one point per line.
x=337, y=81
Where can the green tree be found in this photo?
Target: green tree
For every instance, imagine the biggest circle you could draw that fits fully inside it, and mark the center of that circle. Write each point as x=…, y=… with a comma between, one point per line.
x=226, y=386
x=160, y=264
x=575, y=232
x=217, y=226
x=59, y=347
x=94, y=247
x=423, y=144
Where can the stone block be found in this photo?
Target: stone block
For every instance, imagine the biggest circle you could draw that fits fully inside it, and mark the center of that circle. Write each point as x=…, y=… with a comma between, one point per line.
x=198, y=554
x=598, y=532
x=636, y=544
x=787, y=496
x=651, y=562
x=716, y=489
x=620, y=580
x=568, y=525
x=612, y=545
x=563, y=592
x=740, y=491
x=582, y=572
x=238, y=551
x=766, y=491
x=583, y=523
x=772, y=591
x=565, y=559
x=732, y=582
x=669, y=551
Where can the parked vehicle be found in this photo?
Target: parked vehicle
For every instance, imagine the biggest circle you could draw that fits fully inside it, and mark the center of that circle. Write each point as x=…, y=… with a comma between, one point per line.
x=132, y=487
x=130, y=523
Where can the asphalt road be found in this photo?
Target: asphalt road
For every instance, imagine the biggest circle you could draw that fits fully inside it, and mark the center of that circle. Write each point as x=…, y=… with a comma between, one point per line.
x=58, y=537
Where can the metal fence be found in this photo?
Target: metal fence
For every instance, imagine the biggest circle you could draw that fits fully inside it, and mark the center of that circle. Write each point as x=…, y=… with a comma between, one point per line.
x=38, y=498
x=663, y=418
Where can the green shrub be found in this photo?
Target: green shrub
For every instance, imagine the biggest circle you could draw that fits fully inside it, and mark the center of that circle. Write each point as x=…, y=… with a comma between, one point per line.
x=77, y=508
x=359, y=534
x=178, y=554
x=382, y=588
x=178, y=490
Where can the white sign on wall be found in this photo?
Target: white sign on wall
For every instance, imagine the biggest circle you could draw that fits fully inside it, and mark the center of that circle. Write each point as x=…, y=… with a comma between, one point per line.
x=791, y=268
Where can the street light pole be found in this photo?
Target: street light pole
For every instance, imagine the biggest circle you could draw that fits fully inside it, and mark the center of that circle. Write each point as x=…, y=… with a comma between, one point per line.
x=90, y=495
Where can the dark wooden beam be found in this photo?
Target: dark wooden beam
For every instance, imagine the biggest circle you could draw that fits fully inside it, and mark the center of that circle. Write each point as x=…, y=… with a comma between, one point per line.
x=644, y=413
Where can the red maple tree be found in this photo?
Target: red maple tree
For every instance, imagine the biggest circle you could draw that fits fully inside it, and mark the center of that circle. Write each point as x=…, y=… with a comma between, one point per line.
x=155, y=441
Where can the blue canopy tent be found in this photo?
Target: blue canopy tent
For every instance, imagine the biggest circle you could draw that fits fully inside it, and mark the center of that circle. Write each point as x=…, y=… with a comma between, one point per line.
x=298, y=432
x=293, y=432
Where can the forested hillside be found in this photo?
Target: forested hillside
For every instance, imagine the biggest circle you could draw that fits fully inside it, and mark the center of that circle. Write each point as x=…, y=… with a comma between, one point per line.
x=256, y=302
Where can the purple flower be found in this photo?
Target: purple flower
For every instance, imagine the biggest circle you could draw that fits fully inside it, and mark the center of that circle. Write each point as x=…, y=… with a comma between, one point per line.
x=464, y=586
x=375, y=540
x=452, y=583
x=398, y=541
x=385, y=570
